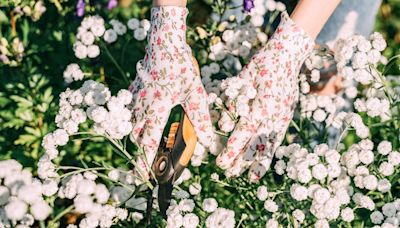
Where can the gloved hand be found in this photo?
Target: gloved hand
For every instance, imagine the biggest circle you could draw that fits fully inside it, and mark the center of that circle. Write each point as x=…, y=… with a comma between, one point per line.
x=166, y=77
x=274, y=71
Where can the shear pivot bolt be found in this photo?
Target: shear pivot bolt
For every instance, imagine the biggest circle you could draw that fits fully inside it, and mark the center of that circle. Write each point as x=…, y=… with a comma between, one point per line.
x=162, y=166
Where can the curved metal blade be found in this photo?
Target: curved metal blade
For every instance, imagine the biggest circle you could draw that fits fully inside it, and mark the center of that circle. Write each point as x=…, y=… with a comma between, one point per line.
x=164, y=197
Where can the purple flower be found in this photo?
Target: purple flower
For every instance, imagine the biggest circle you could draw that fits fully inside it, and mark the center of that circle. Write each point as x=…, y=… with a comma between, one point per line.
x=80, y=8
x=248, y=5
x=111, y=4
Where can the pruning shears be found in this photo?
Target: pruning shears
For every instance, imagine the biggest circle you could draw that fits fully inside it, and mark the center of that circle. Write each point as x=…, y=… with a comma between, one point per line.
x=176, y=148
x=174, y=153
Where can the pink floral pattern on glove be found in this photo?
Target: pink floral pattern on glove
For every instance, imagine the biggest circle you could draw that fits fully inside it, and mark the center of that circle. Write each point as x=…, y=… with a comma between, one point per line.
x=166, y=77
x=274, y=71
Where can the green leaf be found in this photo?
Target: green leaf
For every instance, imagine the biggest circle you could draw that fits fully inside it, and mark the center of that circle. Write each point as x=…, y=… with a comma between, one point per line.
x=47, y=96
x=25, y=140
x=25, y=32
x=3, y=18
x=42, y=107
x=58, y=35
x=4, y=101
x=33, y=131
x=26, y=115
x=22, y=102
x=14, y=123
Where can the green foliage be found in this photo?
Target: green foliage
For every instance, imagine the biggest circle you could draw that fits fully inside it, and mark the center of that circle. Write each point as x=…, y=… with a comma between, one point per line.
x=27, y=110
x=29, y=90
x=388, y=24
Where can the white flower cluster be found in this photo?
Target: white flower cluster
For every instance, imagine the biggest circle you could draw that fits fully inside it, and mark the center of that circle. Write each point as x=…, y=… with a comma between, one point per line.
x=356, y=56
x=304, y=166
x=363, y=201
x=186, y=175
x=22, y=196
x=321, y=108
x=221, y=217
x=257, y=14
x=319, y=176
x=349, y=119
x=234, y=102
x=388, y=217
x=111, y=34
x=236, y=42
x=199, y=155
x=314, y=63
x=360, y=161
x=260, y=9
x=374, y=106
x=238, y=94
x=125, y=195
x=139, y=28
x=91, y=27
x=93, y=100
x=73, y=73
x=271, y=206
x=180, y=215
x=91, y=198
x=195, y=189
x=123, y=176
x=356, y=59
x=238, y=36
x=327, y=109
x=272, y=223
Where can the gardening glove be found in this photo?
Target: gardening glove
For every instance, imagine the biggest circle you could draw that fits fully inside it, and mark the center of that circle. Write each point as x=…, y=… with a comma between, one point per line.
x=166, y=77
x=274, y=71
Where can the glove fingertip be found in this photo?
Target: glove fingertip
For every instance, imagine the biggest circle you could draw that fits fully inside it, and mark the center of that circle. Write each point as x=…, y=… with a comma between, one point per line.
x=259, y=169
x=225, y=159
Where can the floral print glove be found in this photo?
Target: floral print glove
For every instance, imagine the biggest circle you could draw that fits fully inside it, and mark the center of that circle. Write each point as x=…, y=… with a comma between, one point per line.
x=274, y=70
x=166, y=77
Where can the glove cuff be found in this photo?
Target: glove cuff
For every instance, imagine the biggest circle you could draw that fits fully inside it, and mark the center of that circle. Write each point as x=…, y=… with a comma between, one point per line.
x=293, y=37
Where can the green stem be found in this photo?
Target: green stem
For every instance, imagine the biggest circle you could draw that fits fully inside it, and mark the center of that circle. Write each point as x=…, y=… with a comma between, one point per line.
x=57, y=4
x=228, y=185
x=115, y=63
x=131, y=160
x=61, y=214
x=271, y=19
x=124, y=49
x=384, y=83
x=295, y=125
x=116, y=182
x=122, y=149
x=240, y=222
x=80, y=170
x=91, y=74
x=340, y=137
